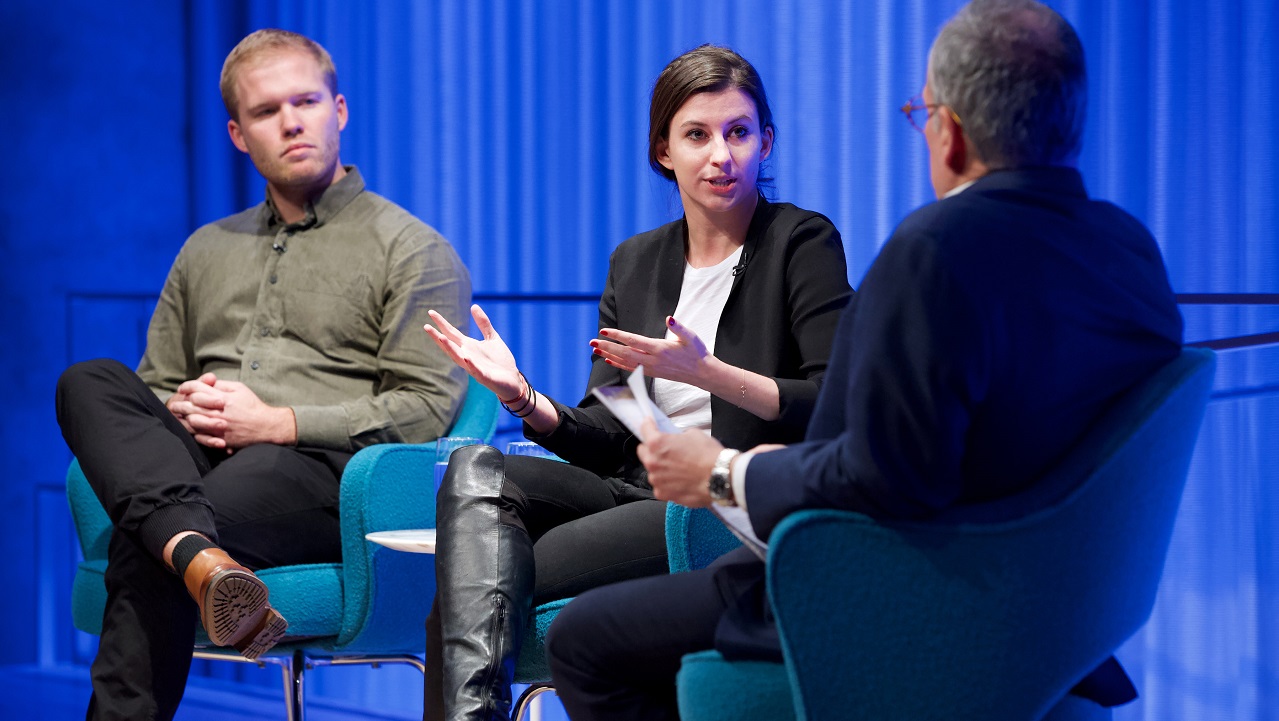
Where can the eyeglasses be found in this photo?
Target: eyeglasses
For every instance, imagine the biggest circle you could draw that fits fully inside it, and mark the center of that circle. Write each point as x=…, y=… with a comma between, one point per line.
x=917, y=112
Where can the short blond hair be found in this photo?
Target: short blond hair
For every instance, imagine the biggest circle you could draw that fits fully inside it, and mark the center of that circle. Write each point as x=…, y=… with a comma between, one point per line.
x=262, y=42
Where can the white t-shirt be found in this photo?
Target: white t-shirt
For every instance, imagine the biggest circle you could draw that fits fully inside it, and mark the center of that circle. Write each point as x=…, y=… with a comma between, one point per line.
x=701, y=303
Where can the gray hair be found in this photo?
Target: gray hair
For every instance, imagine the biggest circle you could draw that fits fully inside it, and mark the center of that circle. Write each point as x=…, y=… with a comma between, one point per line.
x=1013, y=71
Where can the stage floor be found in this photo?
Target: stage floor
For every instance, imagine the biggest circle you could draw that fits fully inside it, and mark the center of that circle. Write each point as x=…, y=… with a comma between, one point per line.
x=62, y=694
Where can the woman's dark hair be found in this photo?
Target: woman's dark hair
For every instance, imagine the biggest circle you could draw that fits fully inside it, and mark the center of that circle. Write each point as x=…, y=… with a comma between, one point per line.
x=704, y=69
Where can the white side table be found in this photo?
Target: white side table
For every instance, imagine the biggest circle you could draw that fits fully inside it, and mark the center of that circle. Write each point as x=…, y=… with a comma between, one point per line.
x=414, y=540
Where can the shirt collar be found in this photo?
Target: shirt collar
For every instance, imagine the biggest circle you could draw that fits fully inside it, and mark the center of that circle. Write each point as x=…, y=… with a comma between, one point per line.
x=958, y=189
x=324, y=207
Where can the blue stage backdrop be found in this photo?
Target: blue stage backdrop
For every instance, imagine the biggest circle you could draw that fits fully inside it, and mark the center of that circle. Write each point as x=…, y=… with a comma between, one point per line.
x=518, y=129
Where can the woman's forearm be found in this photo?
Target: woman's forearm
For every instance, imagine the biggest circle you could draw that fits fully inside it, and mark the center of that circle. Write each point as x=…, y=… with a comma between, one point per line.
x=745, y=389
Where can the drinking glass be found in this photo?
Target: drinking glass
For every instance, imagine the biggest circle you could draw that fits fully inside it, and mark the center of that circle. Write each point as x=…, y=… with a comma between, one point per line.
x=529, y=448
x=444, y=448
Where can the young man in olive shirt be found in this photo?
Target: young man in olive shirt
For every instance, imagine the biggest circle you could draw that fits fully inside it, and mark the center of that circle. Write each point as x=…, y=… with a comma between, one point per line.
x=286, y=338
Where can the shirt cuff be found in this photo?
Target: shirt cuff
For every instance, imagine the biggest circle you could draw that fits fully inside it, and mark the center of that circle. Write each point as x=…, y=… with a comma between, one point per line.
x=737, y=476
x=322, y=427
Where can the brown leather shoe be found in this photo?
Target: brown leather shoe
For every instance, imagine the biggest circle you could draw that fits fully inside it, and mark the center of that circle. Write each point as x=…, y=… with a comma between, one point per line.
x=233, y=603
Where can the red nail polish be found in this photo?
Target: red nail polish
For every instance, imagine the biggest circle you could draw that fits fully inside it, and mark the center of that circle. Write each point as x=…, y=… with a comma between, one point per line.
x=603, y=332
x=670, y=320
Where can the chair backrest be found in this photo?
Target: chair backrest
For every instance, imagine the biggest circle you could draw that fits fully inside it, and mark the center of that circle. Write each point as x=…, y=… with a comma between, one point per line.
x=92, y=525
x=991, y=620
x=478, y=415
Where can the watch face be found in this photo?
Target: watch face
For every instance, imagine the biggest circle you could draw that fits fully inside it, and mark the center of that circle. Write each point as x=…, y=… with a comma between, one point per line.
x=719, y=485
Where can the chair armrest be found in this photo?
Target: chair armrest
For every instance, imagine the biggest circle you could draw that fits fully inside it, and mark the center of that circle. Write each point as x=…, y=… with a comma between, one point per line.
x=695, y=538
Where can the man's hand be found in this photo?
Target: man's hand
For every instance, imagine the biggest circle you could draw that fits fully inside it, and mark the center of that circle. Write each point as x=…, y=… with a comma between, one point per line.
x=194, y=404
x=228, y=415
x=249, y=420
x=679, y=464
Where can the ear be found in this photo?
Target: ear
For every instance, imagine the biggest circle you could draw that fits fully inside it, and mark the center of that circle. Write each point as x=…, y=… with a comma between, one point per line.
x=237, y=137
x=664, y=155
x=766, y=144
x=954, y=145
x=340, y=101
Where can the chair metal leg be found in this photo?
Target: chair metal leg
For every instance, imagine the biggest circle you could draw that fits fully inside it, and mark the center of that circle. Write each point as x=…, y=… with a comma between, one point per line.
x=293, y=667
x=294, y=691
x=525, y=702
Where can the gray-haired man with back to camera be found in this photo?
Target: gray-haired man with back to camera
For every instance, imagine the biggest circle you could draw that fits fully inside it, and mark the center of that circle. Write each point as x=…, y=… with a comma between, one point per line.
x=286, y=337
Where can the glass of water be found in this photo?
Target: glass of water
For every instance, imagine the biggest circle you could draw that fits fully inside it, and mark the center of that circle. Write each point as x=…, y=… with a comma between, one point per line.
x=444, y=448
x=529, y=448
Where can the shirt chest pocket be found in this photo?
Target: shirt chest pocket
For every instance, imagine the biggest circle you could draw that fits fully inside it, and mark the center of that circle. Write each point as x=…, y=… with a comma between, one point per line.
x=334, y=316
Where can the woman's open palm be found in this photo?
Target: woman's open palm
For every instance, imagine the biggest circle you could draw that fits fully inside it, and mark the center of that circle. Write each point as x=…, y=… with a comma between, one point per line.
x=489, y=361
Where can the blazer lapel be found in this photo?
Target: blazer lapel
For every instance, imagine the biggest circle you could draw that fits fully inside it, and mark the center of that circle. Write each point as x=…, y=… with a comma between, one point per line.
x=668, y=279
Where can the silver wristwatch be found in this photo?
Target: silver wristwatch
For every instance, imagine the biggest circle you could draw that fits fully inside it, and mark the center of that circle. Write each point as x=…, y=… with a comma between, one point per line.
x=721, y=482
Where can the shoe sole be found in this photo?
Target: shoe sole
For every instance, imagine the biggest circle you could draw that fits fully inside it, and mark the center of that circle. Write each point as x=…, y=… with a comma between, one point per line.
x=264, y=636
x=236, y=613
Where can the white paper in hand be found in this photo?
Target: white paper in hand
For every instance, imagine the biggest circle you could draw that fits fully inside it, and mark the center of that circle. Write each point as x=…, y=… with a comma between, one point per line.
x=631, y=404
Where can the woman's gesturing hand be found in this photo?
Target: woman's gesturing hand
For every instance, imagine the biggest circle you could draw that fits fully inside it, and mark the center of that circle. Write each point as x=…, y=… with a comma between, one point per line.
x=489, y=361
x=682, y=359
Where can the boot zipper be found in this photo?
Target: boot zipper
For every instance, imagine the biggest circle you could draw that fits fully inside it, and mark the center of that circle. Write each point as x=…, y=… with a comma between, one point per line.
x=499, y=650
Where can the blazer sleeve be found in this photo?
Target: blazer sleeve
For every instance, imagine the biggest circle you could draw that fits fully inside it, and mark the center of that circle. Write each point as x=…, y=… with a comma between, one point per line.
x=818, y=290
x=589, y=435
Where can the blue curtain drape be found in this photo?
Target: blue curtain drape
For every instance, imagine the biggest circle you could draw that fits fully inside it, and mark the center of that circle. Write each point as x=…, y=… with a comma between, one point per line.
x=519, y=130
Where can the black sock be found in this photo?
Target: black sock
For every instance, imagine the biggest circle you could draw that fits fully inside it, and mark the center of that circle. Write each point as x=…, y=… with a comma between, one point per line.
x=184, y=553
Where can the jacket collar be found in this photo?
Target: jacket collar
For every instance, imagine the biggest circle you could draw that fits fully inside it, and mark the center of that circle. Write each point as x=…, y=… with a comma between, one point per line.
x=1052, y=179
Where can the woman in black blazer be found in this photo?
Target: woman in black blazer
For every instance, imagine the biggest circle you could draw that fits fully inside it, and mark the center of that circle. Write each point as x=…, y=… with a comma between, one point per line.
x=731, y=310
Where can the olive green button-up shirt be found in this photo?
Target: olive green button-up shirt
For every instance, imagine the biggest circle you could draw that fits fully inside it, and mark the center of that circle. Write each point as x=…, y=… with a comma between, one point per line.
x=324, y=316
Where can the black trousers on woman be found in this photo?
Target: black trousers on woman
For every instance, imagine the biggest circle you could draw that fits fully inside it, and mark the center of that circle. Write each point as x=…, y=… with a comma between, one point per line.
x=265, y=505
x=582, y=534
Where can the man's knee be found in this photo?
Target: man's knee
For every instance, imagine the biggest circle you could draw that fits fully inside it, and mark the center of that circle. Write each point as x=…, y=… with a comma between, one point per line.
x=82, y=378
x=578, y=629
x=91, y=372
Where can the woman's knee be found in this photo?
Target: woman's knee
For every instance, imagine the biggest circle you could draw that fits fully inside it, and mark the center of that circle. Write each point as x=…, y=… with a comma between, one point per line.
x=477, y=474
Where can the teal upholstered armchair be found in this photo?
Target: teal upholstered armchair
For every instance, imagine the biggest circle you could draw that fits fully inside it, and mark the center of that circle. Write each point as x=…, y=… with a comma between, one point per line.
x=999, y=619
x=368, y=609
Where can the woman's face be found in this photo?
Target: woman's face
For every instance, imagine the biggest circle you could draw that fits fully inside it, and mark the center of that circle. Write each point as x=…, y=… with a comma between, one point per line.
x=714, y=147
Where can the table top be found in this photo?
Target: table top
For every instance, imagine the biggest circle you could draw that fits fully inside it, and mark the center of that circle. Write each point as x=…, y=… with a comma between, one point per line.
x=415, y=540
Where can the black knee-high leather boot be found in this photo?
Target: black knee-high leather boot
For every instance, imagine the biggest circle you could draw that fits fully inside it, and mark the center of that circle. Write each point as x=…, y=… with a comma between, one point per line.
x=484, y=578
